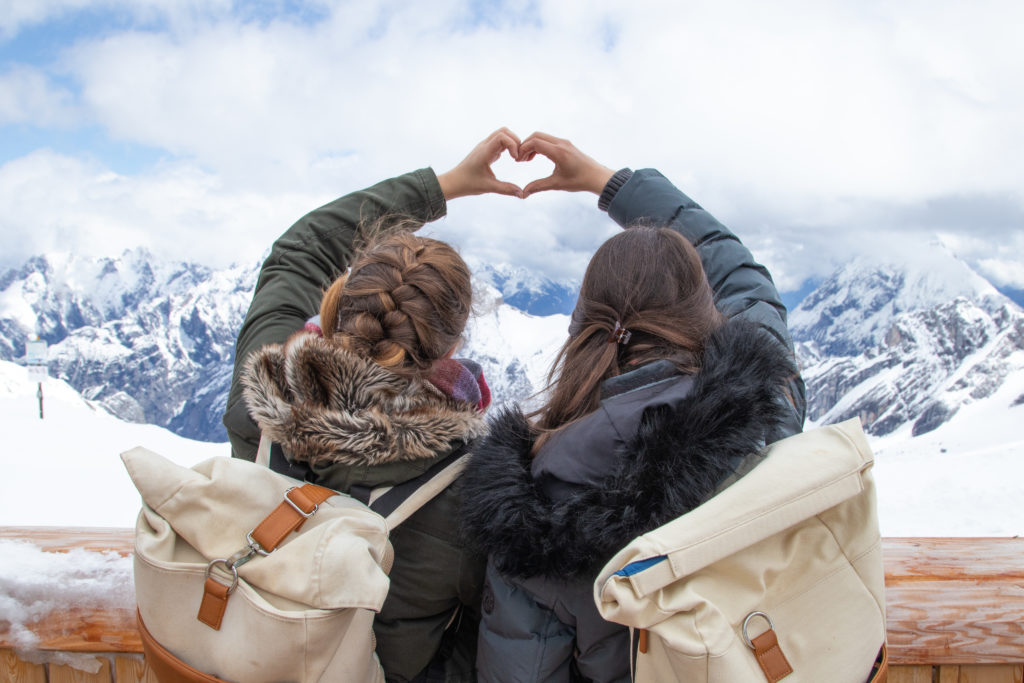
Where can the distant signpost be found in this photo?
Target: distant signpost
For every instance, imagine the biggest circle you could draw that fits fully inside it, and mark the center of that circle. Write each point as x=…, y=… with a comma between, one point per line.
x=35, y=362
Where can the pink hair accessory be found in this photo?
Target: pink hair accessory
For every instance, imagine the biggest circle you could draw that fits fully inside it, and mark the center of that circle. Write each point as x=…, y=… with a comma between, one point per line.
x=620, y=335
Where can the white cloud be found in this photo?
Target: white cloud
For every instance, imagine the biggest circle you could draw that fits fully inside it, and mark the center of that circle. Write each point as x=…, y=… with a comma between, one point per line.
x=58, y=203
x=793, y=122
x=28, y=96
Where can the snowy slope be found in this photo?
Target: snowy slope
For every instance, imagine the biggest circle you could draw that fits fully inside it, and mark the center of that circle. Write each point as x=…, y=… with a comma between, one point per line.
x=73, y=453
x=962, y=479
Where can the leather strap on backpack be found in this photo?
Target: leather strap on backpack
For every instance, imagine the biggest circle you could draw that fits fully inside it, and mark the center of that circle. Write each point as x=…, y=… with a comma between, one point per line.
x=299, y=504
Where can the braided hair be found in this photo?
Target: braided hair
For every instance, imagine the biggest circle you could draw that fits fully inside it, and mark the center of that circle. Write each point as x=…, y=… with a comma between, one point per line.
x=403, y=304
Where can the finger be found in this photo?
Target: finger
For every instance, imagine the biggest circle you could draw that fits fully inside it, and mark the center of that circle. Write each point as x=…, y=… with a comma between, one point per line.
x=533, y=146
x=524, y=156
x=510, y=189
x=509, y=133
x=504, y=141
x=544, y=136
x=549, y=183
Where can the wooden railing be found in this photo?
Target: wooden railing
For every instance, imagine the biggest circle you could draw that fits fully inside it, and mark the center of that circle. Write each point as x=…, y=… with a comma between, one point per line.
x=955, y=614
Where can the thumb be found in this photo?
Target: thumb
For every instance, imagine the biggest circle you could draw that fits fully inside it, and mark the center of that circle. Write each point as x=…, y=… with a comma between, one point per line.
x=510, y=189
x=549, y=183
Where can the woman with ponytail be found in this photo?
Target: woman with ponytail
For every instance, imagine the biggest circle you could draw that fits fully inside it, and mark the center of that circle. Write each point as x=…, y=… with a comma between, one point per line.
x=678, y=370
x=344, y=363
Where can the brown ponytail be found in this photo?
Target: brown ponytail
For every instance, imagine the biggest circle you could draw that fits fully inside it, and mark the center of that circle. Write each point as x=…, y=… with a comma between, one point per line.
x=403, y=304
x=650, y=281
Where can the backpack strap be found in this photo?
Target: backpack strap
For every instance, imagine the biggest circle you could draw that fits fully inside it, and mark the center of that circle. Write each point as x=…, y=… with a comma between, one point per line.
x=398, y=503
x=394, y=503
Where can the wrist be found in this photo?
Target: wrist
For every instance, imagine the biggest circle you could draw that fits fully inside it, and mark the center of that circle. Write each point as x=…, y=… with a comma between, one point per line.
x=599, y=177
x=612, y=187
x=451, y=188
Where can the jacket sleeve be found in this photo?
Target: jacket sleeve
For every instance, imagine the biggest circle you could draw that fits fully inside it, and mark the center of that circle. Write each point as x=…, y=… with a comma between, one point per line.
x=302, y=264
x=742, y=287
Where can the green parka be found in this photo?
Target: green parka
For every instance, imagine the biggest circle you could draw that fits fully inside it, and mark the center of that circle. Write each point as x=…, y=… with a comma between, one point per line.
x=434, y=581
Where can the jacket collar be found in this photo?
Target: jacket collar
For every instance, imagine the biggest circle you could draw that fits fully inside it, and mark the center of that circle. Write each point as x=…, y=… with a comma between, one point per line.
x=644, y=375
x=675, y=459
x=326, y=405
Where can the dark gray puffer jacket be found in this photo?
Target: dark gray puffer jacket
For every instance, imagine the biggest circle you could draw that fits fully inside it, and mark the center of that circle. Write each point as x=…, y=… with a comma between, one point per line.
x=659, y=445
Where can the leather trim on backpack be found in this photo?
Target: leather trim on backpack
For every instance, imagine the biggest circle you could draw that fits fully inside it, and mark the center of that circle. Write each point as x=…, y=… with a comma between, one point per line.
x=167, y=667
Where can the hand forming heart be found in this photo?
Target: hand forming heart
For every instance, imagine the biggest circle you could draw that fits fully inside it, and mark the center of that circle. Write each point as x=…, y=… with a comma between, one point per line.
x=573, y=172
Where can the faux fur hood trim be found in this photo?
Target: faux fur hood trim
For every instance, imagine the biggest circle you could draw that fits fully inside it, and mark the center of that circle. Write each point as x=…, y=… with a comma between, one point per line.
x=673, y=463
x=326, y=405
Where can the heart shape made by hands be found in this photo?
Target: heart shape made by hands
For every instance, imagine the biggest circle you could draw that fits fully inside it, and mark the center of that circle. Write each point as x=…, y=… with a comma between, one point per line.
x=522, y=173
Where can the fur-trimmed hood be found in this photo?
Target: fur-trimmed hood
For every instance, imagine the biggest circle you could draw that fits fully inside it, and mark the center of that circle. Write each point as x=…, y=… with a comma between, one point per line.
x=679, y=452
x=326, y=405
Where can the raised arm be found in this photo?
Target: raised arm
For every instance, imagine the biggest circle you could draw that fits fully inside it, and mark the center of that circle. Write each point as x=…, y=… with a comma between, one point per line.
x=742, y=287
x=311, y=254
x=302, y=264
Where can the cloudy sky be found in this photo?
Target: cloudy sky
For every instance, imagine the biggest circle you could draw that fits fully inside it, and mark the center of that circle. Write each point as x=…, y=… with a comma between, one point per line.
x=816, y=130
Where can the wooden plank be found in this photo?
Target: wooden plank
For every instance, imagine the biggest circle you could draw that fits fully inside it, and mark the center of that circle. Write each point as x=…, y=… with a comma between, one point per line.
x=936, y=559
x=73, y=629
x=61, y=673
x=62, y=539
x=991, y=673
x=910, y=674
x=15, y=670
x=93, y=629
x=132, y=669
x=954, y=601
x=950, y=673
x=950, y=601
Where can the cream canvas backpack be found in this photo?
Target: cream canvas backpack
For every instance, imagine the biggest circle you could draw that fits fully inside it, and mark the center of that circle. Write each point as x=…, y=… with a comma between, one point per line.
x=245, y=575
x=777, y=577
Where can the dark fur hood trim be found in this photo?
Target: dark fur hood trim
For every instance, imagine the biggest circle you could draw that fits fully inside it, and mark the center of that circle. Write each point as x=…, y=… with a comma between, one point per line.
x=326, y=405
x=671, y=465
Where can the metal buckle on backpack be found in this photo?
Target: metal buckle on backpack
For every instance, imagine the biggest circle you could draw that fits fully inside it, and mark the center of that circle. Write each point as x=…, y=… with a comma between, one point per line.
x=230, y=566
x=746, y=622
x=302, y=512
x=254, y=546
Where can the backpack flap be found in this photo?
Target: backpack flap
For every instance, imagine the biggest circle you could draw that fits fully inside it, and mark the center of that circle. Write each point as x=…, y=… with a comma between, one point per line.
x=335, y=562
x=796, y=538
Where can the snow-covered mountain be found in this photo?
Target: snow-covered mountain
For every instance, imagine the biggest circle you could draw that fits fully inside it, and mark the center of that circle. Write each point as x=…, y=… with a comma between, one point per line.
x=528, y=291
x=901, y=345
x=153, y=341
x=906, y=344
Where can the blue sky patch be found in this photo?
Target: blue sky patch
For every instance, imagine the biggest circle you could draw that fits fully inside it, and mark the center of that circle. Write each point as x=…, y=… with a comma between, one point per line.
x=41, y=44
x=126, y=158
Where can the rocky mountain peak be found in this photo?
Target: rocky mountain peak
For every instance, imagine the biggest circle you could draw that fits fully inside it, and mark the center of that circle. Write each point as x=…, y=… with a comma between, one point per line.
x=852, y=311
x=905, y=345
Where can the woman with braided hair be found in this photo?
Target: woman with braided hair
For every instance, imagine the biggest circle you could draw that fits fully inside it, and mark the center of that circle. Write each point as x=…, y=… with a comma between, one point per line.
x=678, y=369
x=357, y=388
